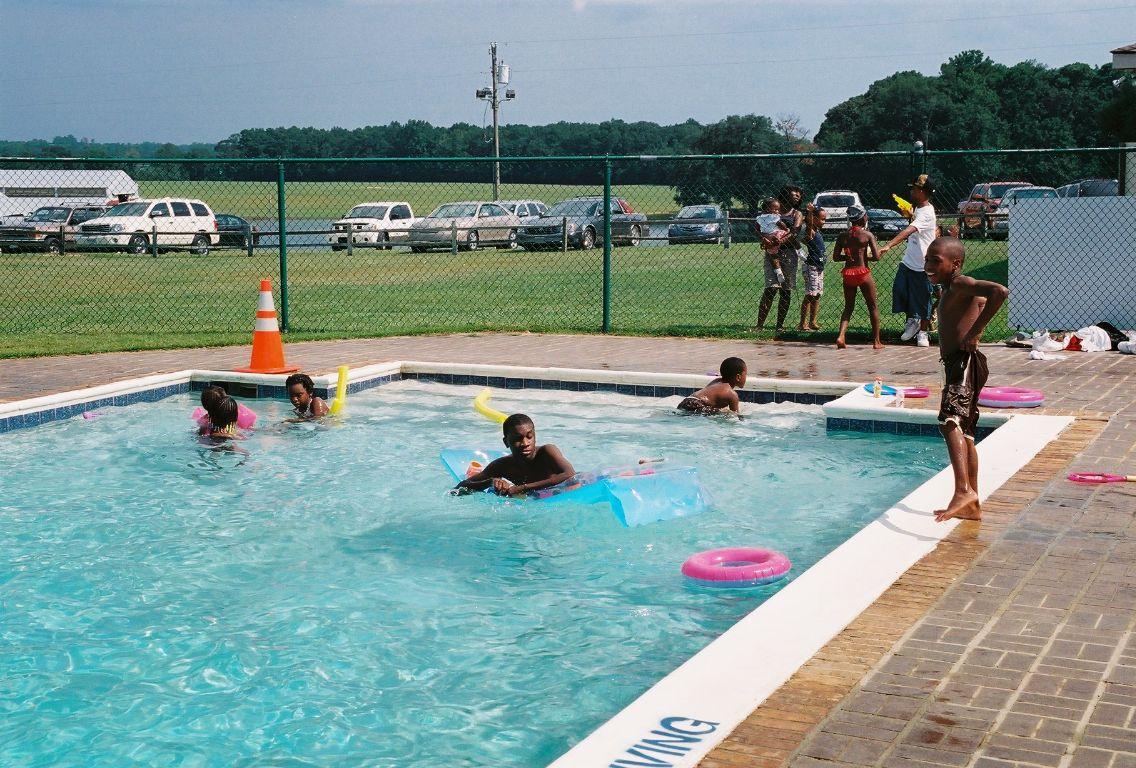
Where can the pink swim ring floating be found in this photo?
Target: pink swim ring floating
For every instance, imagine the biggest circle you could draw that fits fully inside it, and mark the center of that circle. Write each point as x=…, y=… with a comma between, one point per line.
x=246, y=417
x=1011, y=397
x=736, y=566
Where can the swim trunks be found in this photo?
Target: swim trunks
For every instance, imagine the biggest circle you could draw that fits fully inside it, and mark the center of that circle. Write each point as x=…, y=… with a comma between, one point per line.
x=964, y=375
x=855, y=276
x=696, y=405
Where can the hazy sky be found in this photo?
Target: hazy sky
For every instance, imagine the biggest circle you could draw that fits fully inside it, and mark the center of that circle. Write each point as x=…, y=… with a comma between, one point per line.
x=200, y=70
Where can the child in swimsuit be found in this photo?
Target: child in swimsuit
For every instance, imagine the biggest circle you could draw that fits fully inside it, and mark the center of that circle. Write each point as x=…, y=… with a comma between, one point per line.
x=211, y=396
x=528, y=467
x=719, y=394
x=301, y=391
x=223, y=426
x=965, y=307
x=856, y=247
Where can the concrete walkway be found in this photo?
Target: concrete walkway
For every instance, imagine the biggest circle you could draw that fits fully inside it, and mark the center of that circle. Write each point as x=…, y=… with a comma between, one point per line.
x=1013, y=644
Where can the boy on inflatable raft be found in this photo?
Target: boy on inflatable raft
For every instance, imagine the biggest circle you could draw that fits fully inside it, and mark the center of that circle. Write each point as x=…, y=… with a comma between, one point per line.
x=528, y=467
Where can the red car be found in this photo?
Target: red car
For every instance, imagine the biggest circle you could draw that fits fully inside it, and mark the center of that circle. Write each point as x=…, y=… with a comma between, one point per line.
x=976, y=212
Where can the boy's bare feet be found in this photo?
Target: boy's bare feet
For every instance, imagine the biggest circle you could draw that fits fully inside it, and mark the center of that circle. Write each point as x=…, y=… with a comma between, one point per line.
x=877, y=344
x=840, y=343
x=963, y=506
x=803, y=327
x=814, y=327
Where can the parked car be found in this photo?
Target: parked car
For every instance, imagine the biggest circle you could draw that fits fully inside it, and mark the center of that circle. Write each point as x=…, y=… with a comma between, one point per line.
x=41, y=229
x=1000, y=219
x=235, y=231
x=1090, y=188
x=373, y=225
x=836, y=203
x=697, y=224
x=524, y=210
x=129, y=226
x=585, y=223
x=975, y=213
x=477, y=222
x=884, y=222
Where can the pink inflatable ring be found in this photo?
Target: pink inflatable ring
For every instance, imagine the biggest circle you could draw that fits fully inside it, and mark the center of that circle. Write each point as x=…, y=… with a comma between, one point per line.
x=736, y=566
x=1010, y=397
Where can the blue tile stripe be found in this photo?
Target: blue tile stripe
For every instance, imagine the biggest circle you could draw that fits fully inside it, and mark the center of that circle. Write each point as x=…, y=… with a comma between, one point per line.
x=893, y=427
x=277, y=392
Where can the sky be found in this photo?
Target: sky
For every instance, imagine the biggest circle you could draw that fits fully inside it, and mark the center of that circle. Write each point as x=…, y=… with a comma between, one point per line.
x=202, y=70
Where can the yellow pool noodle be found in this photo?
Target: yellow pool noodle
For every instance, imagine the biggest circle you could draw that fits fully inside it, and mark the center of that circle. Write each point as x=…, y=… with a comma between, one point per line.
x=906, y=208
x=481, y=405
x=340, y=391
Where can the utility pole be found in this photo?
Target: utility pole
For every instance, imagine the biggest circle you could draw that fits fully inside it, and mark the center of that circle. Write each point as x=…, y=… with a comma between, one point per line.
x=498, y=75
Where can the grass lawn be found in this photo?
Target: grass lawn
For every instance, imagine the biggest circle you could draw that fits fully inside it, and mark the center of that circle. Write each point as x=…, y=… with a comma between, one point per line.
x=101, y=302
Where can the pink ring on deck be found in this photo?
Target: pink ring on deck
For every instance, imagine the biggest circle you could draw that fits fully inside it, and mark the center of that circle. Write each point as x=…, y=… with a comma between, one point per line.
x=1010, y=397
x=736, y=566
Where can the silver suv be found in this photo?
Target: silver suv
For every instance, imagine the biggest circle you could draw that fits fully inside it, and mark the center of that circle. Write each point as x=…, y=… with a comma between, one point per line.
x=49, y=228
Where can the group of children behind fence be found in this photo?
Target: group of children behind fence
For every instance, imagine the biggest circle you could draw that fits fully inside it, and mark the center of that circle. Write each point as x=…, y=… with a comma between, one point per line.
x=780, y=236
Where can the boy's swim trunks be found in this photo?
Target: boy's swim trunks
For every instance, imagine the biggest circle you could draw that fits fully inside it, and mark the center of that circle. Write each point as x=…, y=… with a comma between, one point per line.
x=854, y=276
x=964, y=375
x=696, y=405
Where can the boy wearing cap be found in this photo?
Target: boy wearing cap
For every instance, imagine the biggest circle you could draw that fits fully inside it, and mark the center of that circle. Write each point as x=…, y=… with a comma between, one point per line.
x=856, y=247
x=911, y=291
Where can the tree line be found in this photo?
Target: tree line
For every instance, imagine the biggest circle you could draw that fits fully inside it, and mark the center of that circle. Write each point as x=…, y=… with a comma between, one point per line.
x=973, y=102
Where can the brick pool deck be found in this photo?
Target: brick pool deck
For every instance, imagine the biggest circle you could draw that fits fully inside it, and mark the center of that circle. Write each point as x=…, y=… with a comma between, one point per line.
x=1012, y=644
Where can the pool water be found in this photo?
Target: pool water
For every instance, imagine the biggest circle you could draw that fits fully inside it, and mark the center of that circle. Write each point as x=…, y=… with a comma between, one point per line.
x=323, y=601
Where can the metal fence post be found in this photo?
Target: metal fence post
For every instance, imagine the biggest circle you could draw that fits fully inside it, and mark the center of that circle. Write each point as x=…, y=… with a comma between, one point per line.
x=281, y=216
x=607, y=247
x=154, y=239
x=62, y=239
x=726, y=237
x=453, y=237
x=564, y=234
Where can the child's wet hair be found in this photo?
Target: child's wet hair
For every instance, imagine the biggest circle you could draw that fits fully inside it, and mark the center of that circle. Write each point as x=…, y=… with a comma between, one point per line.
x=224, y=413
x=302, y=379
x=211, y=395
x=513, y=422
x=731, y=367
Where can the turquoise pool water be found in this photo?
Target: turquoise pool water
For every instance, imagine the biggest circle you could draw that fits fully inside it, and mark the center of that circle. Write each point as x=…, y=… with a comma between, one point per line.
x=324, y=602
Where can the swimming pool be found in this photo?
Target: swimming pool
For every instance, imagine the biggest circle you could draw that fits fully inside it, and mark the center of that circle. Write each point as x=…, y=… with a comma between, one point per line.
x=324, y=600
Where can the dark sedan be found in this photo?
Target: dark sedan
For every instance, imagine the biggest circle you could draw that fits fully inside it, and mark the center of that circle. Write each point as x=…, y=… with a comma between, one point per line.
x=697, y=224
x=886, y=222
x=235, y=231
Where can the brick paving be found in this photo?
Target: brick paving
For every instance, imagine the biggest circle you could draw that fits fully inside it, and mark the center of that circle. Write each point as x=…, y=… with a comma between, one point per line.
x=1012, y=644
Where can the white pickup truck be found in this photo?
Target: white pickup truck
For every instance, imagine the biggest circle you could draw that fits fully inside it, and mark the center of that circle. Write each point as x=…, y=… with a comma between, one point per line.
x=372, y=225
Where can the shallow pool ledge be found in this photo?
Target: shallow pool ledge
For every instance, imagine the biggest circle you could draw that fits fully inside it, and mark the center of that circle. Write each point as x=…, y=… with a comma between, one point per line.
x=683, y=716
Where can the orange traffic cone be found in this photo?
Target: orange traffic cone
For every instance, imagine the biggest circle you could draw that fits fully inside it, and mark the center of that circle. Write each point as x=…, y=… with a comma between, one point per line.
x=267, y=348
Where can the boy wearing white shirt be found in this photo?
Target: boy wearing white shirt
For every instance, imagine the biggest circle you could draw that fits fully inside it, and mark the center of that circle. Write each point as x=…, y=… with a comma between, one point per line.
x=911, y=291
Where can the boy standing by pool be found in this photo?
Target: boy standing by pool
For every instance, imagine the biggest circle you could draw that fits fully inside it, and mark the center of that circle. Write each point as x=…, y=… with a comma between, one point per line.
x=965, y=307
x=719, y=393
x=528, y=467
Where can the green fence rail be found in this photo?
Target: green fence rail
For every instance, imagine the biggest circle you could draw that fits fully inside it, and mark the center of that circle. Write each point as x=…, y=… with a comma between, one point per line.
x=626, y=244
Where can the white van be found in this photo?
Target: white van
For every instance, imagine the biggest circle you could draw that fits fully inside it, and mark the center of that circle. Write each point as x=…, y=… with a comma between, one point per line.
x=129, y=226
x=836, y=203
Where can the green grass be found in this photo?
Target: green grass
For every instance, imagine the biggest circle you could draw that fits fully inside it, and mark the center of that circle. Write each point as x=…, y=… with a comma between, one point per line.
x=82, y=303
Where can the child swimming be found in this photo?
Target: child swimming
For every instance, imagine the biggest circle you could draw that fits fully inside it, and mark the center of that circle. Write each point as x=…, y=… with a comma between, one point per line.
x=300, y=391
x=719, y=394
x=528, y=467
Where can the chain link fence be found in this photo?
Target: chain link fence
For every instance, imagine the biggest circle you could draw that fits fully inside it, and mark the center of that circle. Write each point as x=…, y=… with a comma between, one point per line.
x=641, y=245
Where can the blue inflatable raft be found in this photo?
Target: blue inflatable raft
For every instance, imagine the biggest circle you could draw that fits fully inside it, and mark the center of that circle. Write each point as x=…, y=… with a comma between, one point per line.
x=637, y=494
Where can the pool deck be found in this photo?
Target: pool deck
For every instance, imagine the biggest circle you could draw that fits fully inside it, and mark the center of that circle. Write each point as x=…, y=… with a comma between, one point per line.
x=1012, y=644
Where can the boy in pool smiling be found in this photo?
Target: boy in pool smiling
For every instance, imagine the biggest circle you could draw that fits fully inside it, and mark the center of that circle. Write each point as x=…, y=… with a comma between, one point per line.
x=528, y=467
